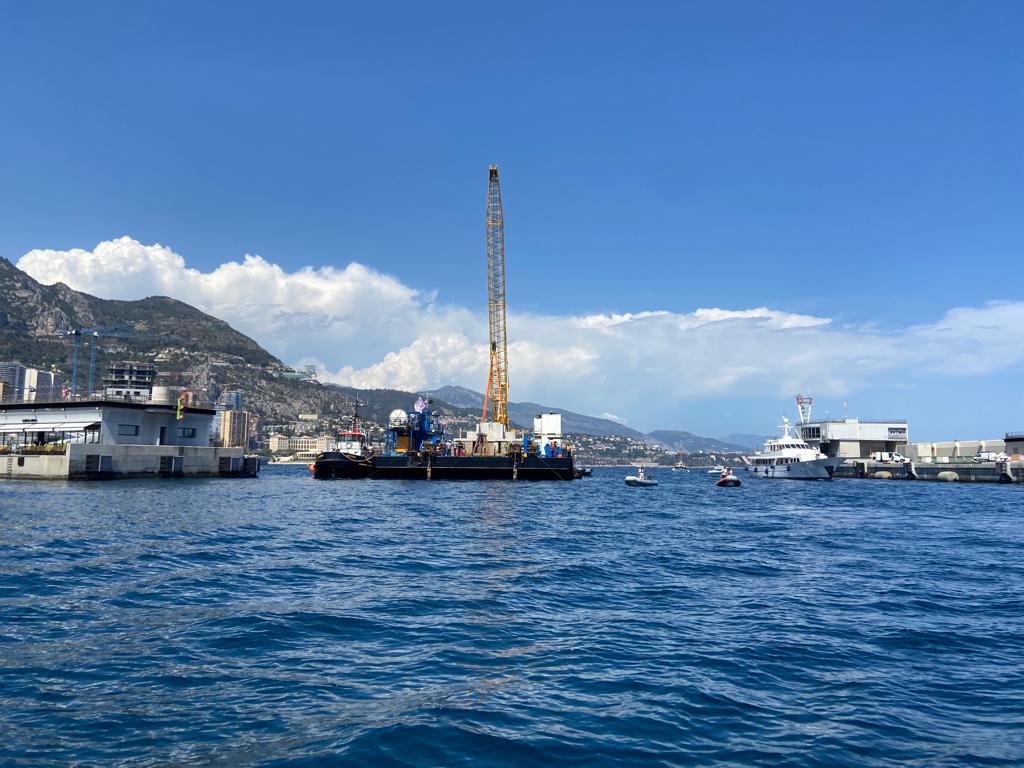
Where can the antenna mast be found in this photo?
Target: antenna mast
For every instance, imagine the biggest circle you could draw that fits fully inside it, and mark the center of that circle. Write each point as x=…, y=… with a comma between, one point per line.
x=497, y=377
x=804, y=406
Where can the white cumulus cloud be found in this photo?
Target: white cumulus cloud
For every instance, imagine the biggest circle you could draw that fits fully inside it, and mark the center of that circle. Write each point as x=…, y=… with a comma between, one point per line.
x=368, y=329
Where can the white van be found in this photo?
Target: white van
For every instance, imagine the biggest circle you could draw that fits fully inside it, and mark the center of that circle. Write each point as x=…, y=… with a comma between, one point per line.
x=889, y=457
x=990, y=456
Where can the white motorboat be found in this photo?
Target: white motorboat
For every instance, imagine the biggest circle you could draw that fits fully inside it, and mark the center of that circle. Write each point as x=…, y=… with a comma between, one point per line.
x=716, y=470
x=641, y=479
x=789, y=457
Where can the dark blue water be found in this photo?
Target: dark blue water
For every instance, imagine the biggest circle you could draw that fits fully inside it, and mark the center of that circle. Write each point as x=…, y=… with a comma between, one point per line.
x=283, y=621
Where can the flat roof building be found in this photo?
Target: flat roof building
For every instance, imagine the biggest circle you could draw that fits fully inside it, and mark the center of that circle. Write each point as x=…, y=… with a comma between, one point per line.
x=111, y=438
x=855, y=438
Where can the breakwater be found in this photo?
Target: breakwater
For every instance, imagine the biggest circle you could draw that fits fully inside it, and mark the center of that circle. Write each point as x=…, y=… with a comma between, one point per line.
x=962, y=472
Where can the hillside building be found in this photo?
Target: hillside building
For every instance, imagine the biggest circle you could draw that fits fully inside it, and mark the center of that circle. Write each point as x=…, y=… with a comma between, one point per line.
x=233, y=400
x=236, y=427
x=41, y=386
x=304, y=443
x=129, y=380
x=228, y=401
x=12, y=375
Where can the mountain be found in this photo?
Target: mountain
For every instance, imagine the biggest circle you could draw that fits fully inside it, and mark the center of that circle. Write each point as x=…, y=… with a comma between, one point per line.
x=578, y=424
x=691, y=443
x=523, y=413
x=459, y=397
x=33, y=316
x=750, y=442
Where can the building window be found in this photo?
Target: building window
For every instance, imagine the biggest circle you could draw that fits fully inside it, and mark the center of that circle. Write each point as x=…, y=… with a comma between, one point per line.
x=127, y=429
x=186, y=431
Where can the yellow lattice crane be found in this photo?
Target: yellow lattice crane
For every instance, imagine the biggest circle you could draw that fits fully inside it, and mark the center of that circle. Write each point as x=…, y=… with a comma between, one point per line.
x=497, y=377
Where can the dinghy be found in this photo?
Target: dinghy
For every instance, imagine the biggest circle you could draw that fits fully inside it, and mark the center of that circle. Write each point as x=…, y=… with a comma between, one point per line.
x=728, y=479
x=641, y=479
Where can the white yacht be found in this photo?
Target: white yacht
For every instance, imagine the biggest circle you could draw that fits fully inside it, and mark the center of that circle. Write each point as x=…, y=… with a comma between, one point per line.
x=790, y=457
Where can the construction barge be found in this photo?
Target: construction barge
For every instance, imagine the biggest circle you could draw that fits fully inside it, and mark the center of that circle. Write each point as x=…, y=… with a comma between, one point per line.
x=415, y=447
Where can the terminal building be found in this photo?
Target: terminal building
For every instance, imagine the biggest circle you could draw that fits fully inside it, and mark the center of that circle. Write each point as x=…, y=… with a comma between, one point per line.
x=851, y=438
x=855, y=438
x=100, y=439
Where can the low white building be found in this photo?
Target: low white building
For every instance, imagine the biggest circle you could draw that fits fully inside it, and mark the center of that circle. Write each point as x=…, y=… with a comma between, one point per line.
x=105, y=438
x=855, y=438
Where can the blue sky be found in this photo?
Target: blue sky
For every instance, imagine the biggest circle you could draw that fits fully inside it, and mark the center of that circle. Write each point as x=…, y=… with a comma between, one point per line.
x=861, y=162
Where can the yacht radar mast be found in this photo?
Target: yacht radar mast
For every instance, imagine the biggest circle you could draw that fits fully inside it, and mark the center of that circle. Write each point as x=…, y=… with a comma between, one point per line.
x=804, y=406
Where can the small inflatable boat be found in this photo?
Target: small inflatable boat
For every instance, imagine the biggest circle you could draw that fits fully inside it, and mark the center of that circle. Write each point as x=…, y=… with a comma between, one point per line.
x=640, y=479
x=728, y=479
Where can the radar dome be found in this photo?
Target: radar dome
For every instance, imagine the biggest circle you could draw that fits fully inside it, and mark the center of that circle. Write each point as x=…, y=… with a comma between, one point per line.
x=398, y=416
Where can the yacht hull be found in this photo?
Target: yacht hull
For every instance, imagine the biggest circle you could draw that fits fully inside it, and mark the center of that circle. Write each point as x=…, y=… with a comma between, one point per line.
x=818, y=469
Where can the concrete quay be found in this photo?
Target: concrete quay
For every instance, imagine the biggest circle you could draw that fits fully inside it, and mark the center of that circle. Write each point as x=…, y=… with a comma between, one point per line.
x=951, y=472
x=108, y=462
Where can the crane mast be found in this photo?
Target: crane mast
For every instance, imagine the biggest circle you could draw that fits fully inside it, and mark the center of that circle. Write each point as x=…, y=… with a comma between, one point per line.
x=497, y=378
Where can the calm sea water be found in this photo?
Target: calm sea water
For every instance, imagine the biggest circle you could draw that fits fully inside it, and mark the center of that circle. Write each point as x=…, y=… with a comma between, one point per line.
x=288, y=622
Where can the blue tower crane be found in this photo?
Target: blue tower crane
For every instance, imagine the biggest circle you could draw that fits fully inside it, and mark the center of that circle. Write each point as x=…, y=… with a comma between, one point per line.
x=94, y=334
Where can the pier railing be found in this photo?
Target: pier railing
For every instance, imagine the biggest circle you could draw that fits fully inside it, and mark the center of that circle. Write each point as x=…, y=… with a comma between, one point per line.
x=859, y=421
x=107, y=399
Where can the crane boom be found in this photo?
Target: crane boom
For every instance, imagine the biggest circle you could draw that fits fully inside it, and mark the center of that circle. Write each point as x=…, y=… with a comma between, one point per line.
x=497, y=379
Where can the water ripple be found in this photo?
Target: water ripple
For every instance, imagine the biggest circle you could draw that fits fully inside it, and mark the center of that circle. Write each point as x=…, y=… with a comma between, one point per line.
x=286, y=622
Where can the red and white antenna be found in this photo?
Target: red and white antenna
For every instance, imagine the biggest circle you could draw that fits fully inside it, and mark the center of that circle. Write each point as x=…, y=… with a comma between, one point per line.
x=804, y=406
